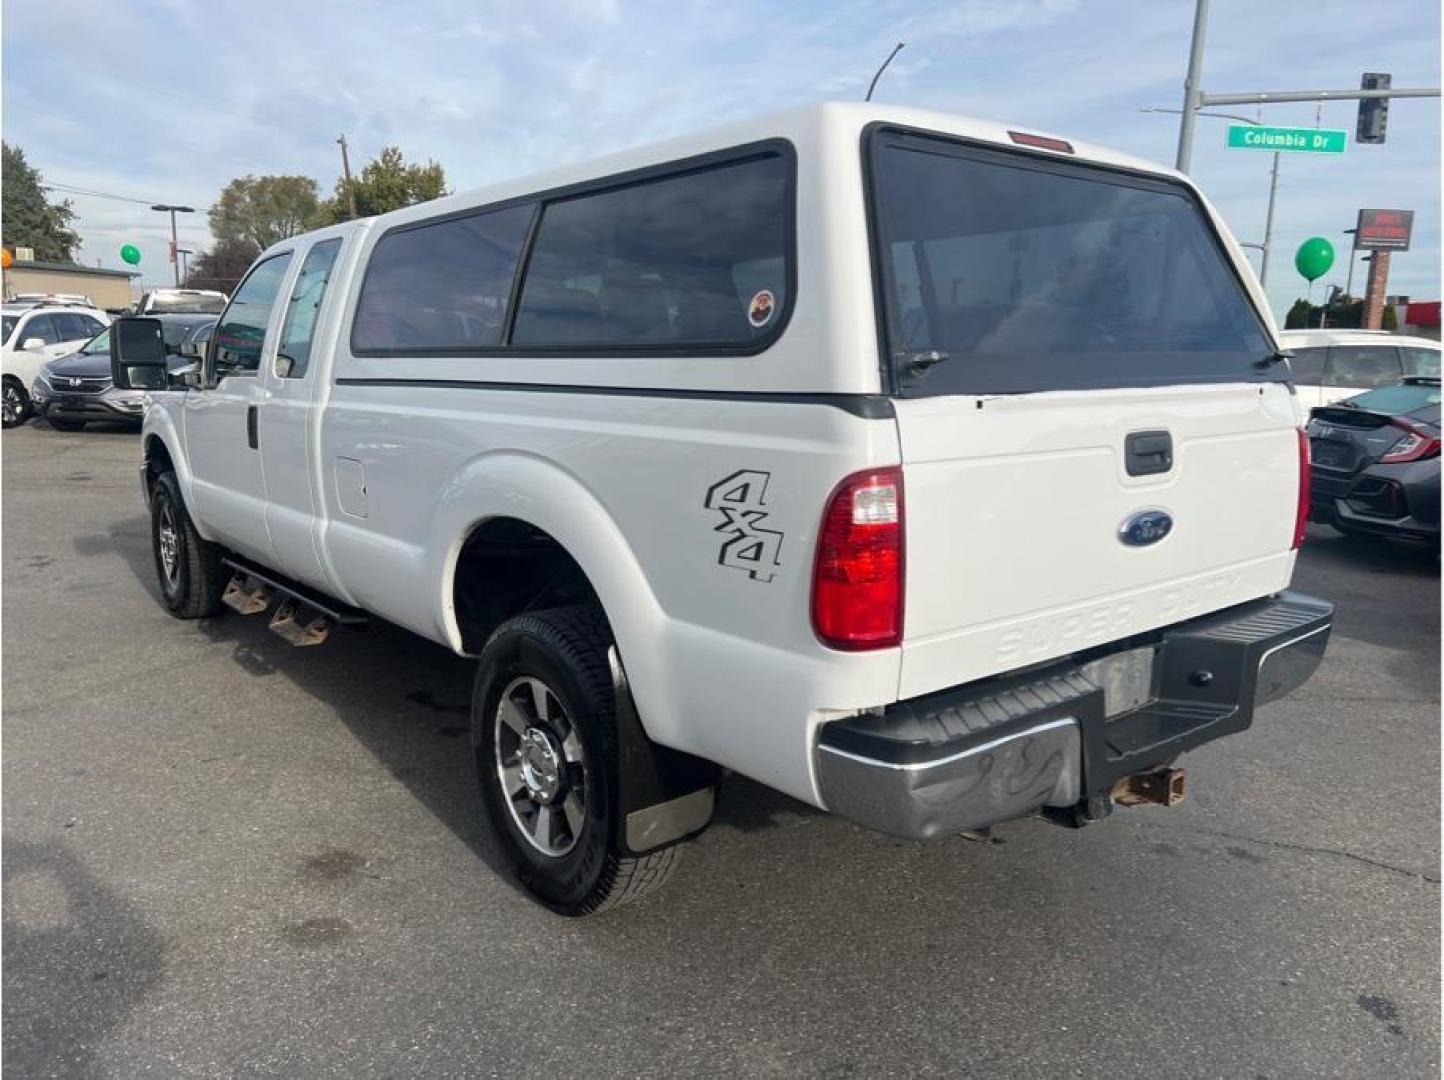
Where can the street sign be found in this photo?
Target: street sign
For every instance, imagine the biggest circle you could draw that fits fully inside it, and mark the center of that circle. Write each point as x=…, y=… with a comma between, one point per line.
x=1301, y=140
x=1384, y=230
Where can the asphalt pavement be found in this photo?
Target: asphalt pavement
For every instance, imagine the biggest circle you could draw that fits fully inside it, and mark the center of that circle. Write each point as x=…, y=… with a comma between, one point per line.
x=224, y=856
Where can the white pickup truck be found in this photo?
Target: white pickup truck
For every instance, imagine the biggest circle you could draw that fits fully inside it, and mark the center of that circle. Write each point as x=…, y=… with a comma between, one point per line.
x=933, y=472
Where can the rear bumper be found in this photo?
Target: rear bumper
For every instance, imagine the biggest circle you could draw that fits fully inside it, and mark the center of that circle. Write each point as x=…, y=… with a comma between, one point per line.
x=1398, y=500
x=1003, y=748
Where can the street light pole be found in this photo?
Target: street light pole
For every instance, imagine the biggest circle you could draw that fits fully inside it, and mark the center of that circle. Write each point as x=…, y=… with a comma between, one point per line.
x=1353, y=251
x=174, y=245
x=1263, y=270
x=873, y=85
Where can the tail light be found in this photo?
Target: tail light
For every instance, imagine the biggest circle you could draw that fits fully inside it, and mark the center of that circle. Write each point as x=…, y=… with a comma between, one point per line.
x=857, y=582
x=1416, y=445
x=1301, y=513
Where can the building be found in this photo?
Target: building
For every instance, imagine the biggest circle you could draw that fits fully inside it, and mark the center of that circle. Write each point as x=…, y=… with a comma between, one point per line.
x=110, y=289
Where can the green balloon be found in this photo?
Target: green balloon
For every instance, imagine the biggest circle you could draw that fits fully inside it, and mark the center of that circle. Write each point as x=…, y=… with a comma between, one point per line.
x=131, y=254
x=1314, y=258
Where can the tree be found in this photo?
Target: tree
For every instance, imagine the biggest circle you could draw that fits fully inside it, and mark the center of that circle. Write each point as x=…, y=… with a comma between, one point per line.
x=263, y=210
x=387, y=183
x=223, y=266
x=31, y=220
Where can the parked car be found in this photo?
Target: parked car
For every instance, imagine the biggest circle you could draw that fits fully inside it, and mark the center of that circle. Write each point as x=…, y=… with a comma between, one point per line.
x=731, y=452
x=1376, y=462
x=181, y=302
x=34, y=332
x=72, y=390
x=1330, y=365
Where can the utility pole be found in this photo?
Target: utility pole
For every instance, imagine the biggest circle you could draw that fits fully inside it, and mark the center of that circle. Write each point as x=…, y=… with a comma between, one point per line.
x=878, y=75
x=174, y=246
x=346, y=172
x=1194, y=98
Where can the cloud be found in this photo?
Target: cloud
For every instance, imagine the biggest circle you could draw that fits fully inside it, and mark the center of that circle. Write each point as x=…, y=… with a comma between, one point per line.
x=170, y=99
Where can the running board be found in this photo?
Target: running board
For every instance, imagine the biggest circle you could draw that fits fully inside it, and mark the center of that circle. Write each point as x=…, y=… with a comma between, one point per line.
x=303, y=616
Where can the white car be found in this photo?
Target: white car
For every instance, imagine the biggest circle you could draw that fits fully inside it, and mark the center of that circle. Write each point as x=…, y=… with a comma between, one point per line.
x=796, y=448
x=182, y=302
x=1330, y=365
x=33, y=334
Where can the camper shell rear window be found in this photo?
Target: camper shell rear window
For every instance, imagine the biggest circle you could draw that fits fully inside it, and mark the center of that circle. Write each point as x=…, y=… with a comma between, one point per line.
x=1027, y=273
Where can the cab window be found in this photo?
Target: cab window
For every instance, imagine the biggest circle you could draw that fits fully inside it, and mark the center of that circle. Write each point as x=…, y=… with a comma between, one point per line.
x=294, y=351
x=1420, y=361
x=1307, y=365
x=241, y=332
x=1363, y=366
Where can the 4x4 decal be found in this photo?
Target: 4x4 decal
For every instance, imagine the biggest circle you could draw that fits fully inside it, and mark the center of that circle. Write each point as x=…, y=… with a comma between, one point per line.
x=739, y=499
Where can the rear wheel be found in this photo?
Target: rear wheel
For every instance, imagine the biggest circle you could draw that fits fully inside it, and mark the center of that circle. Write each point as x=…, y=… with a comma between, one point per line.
x=15, y=402
x=188, y=565
x=65, y=425
x=545, y=738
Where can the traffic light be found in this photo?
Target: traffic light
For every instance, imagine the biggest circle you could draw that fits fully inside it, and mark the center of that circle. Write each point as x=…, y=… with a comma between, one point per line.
x=1373, y=112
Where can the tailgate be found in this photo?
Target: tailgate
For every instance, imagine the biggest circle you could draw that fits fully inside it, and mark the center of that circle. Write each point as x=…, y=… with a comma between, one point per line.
x=1015, y=506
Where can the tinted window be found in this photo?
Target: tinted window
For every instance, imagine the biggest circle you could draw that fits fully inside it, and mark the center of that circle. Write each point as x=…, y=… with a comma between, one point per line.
x=306, y=296
x=242, y=329
x=1420, y=361
x=1308, y=365
x=72, y=327
x=8, y=327
x=694, y=260
x=441, y=286
x=1363, y=365
x=42, y=327
x=203, y=334
x=1052, y=277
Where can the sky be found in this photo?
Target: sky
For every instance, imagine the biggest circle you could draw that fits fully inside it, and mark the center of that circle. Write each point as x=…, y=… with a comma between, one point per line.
x=168, y=100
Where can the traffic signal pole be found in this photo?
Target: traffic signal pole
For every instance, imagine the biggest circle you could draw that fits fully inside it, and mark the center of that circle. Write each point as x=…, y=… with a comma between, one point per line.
x=1194, y=98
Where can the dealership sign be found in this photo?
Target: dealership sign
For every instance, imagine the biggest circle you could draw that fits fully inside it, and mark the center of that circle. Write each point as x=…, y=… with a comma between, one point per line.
x=1384, y=230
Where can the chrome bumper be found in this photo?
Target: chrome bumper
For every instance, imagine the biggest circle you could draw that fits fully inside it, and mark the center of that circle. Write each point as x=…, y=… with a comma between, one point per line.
x=976, y=755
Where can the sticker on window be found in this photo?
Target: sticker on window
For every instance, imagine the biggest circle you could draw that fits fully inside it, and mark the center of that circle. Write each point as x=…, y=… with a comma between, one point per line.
x=761, y=309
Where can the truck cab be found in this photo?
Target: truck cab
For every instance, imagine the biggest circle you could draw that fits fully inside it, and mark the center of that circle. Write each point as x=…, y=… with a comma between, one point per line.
x=932, y=471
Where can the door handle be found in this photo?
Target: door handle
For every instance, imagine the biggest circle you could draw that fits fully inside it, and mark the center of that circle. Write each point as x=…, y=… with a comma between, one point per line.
x=251, y=423
x=1148, y=452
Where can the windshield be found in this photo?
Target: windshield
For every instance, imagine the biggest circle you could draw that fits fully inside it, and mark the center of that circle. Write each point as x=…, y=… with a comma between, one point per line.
x=98, y=344
x=185, y=305
x=9, y=328
x=1397, y=400
x=1031, y=275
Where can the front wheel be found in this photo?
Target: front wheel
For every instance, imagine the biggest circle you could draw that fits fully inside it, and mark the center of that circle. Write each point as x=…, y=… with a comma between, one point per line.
x=188, y=565
x=544, y=734
x=15, y=402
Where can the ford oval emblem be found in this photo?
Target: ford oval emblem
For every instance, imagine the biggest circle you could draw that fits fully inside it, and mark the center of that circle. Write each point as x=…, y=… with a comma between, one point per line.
x=1145, y=527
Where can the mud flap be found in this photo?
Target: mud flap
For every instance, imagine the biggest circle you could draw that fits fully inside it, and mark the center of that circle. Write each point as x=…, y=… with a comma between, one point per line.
x=666, y=795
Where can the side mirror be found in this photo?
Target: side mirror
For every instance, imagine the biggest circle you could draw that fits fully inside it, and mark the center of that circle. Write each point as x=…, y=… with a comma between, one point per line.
x=189, y=348
x=185, y=375
x=137, y=354
x=191, y=379
x=33, y=344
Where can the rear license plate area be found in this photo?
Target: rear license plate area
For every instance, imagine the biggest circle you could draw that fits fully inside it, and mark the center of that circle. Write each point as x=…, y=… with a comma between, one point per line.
x=1126, y=679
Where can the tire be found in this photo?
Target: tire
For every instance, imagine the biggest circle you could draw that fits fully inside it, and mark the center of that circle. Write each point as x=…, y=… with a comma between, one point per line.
x=557, y=762
x=17, y=407
x=65, y=425
x=190, y=575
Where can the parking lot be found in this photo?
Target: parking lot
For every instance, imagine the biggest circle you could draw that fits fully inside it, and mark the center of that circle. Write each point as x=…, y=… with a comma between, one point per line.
x=226, y=856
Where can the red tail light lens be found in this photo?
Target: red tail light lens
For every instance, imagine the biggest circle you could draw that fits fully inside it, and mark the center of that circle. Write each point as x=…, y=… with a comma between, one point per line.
x=857, y=583
x=1301, y=513
x=1416, y=445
